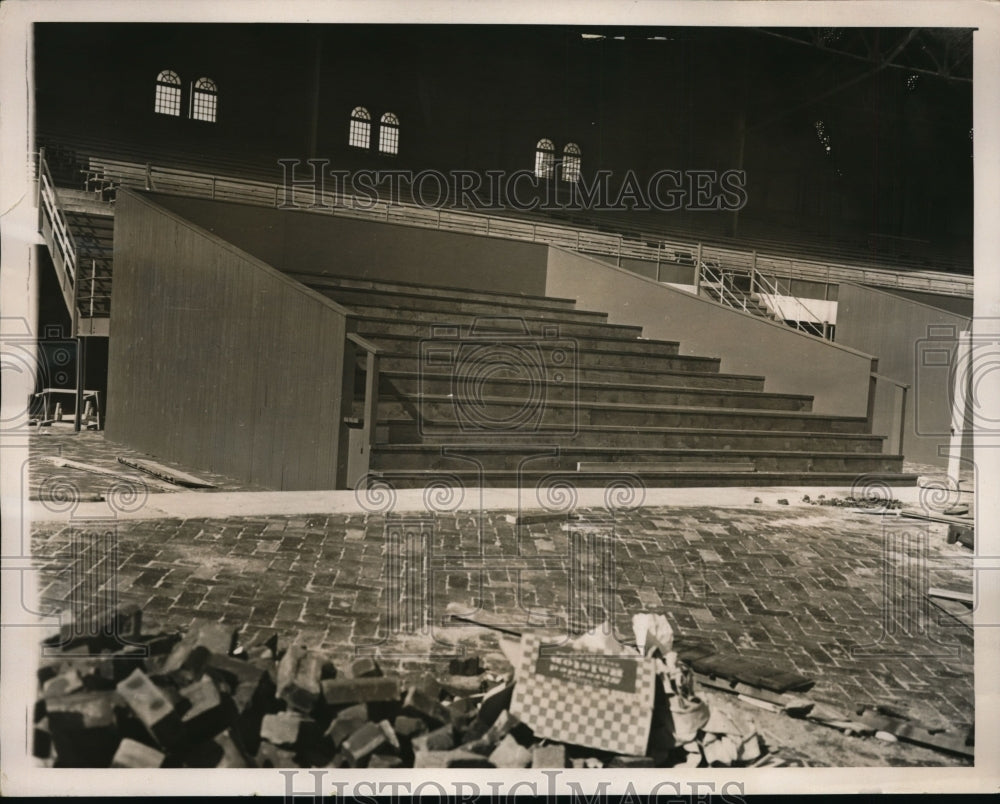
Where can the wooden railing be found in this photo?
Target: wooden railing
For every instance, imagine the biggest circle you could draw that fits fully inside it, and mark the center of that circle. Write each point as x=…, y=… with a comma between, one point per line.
x=360, y=434
x=879, y=381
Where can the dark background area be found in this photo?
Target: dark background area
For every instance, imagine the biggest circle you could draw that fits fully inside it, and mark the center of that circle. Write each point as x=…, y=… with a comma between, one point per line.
x=480, y=98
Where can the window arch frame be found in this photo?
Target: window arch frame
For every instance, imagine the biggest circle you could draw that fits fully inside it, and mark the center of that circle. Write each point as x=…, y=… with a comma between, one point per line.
x=204, y=100
x=572, y=162
x=545, y=158
x=359, y=134
x=169, y=89
x=388, y=134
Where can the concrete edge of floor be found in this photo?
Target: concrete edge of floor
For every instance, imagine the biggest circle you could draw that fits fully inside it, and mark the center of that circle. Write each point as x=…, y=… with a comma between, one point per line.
x=193, y=504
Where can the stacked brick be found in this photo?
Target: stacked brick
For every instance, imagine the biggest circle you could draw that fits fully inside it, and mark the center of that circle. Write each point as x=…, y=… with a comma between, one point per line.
x=201, y=700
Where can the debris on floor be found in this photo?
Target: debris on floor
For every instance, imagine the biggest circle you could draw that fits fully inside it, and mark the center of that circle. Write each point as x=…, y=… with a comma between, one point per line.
x=200, y=699
x=965, y=535
x=870, y=502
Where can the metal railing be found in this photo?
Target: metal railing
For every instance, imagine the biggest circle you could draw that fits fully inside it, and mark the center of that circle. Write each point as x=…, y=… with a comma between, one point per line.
x=771, y=289
x=721, y=282
x=662, y=251
x=57, y=235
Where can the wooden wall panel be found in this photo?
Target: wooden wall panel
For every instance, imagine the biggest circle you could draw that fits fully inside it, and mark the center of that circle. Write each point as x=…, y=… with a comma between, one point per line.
x=217, y=360
x=897, y=330
x=298, y=240
x=791, y=361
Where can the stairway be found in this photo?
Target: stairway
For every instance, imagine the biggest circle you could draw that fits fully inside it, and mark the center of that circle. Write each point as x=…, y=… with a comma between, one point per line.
x=93, y=235
x=722, y=288
x=492, y=389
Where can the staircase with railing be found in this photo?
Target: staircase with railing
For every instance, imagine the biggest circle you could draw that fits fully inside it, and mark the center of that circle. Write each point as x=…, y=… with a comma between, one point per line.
x=79, y=243
x=756, y=293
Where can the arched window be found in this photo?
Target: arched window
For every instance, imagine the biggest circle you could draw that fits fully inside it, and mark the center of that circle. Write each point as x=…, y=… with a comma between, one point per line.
x=168, y=93
x=361, y=128
x=571, y=162
x=545, y=159
x=388, y=134
x=204, y=98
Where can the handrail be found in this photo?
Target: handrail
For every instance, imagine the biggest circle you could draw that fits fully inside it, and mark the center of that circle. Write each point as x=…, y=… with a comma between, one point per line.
x=364, y=343
x=718, y=278
x=902, y=386
x=60, y=238
x=505, y=226
x=370, y=410
x=57, y=220
x=758, y=277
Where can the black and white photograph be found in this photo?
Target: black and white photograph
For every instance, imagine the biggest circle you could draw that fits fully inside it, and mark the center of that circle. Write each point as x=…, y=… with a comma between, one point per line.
x=493, y=399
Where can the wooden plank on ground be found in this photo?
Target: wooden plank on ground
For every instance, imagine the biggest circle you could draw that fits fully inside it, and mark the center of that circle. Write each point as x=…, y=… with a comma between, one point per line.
x=162, y=472
x=915, y=733
x=947, y=520
x=950, y=594
x=749, y=671
x=955, y=609
x=739, y=688
x=100, y=470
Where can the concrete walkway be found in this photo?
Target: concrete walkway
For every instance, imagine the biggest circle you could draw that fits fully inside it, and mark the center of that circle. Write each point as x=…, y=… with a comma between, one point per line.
x=185, y=504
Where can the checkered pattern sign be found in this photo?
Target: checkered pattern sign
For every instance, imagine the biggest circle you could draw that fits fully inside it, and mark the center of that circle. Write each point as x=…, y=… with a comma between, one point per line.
x=591, y=699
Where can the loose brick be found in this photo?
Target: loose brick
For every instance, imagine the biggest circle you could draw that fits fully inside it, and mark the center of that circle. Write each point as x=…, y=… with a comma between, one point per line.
x=270, y=756
x=232, y=670
x=222, y=751
x=66, y=682
x=83, y=728
x=346, y=724
x=367, y=740
x=422, y=700
x=510, y=754
x=232, y=756
x=299, y=674
x=185, y=663
x=440, y=739
x=462, y=712
x=214, y=636
x=548, y=756
x=365, y=667
x=468, y=666
x=41, y=740
x=152, y=707
x=285, y=729
x=359, y=690
x=205, y=714
x=460, y=686
x=133, y=754
x=107, y=630
x=408, y=727
x=449, y=759
x=385, y=761
x=501, y=727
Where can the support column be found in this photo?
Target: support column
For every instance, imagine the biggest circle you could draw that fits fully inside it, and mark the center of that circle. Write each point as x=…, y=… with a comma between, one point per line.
x=81, y=379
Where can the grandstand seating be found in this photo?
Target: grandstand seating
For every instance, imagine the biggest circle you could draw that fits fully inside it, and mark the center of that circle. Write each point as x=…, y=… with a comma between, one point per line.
x=488, y=388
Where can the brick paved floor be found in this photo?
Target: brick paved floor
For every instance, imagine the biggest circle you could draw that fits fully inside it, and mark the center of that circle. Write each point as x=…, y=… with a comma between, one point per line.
x=833, y=595
x=46, y=481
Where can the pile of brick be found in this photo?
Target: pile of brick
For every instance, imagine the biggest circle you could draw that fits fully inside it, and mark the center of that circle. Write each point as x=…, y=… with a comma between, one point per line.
x=873, y=501
x=129, y=700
